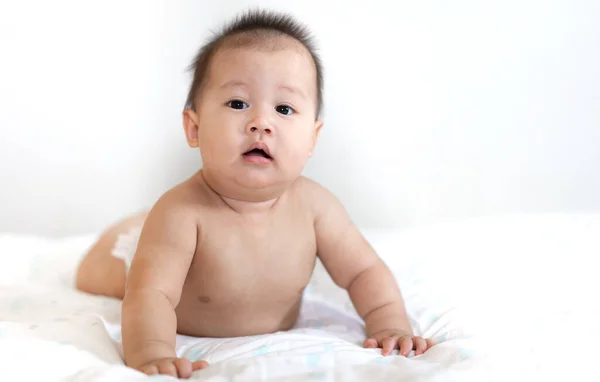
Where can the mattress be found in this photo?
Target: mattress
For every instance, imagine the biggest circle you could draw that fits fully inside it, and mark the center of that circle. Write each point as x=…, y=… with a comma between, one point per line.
x=505, y=298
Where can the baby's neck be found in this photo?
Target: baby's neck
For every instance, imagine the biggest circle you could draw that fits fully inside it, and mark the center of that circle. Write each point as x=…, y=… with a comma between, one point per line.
x=244, y=207
x=252, y=203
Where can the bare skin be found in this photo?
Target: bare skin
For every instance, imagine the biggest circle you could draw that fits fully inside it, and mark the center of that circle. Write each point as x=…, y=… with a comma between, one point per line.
x=228, y=252
x=99, y=272
x=204, y=295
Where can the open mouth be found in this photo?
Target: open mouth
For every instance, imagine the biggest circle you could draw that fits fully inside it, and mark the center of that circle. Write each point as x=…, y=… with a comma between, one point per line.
x=257, y=153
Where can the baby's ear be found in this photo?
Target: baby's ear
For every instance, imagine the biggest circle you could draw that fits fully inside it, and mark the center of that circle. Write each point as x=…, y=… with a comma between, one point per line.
x=318, y=126
x=190, y=126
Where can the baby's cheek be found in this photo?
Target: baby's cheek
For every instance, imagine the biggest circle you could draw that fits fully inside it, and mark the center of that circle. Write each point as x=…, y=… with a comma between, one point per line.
x=300, y=144
x=296, y=160
x=219, y=147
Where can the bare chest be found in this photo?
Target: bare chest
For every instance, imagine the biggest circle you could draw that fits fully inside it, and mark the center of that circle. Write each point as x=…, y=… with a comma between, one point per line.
x=253, y=262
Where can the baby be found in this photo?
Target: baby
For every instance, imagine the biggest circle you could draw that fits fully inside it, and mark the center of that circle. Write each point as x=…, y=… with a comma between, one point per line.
x=230, y=251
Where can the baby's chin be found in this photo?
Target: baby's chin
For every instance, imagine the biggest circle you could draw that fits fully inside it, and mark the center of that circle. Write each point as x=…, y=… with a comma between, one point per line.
x=250, y=182
x=259, y=180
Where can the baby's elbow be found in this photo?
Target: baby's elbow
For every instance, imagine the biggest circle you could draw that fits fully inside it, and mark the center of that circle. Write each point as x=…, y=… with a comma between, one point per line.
x=147, y=296
x=364, y=272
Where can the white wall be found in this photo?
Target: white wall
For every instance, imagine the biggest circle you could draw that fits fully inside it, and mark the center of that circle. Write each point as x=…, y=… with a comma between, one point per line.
x=434, y=110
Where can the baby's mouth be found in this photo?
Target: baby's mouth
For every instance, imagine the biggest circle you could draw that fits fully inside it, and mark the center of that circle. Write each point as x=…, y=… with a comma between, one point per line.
x=257, y=153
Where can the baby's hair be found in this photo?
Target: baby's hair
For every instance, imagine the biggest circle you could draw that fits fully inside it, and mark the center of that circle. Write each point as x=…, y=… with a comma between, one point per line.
x=253, y=28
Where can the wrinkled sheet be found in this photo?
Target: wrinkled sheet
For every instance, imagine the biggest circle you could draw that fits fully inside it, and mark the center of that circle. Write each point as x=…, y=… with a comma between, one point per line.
x=505, y=298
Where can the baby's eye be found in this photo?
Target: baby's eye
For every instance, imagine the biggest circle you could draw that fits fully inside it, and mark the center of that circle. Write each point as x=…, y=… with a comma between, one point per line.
x=283, y=109
x=237, y=104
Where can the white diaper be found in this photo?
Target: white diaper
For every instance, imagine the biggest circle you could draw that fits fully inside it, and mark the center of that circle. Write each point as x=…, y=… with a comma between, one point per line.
x=126, y=245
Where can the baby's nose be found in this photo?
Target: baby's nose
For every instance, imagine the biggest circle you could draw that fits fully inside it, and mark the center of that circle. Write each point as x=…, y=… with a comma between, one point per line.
x=259, y=125
x=255, y=129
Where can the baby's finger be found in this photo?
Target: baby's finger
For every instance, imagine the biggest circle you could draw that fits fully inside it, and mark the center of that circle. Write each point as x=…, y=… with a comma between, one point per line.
x=150, y=370
x=388, y=345
x=429, y=342
x=420, y=345
x=184, y=367
x=405, y=345
x=370, y=343
x=167, y=367
x=199, y=365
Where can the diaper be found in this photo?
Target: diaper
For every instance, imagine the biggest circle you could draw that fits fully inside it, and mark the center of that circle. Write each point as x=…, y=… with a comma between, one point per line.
x=126, y=245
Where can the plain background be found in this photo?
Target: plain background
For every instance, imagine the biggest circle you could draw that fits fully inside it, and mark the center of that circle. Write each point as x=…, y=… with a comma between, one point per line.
x=434, y=110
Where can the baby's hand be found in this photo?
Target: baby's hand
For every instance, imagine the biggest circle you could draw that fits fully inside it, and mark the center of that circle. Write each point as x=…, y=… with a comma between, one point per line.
x=404, y=342
x=176, y=367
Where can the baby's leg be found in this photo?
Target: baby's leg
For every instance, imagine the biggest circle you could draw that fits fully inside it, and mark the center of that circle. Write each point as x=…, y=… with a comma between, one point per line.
x=100, y=272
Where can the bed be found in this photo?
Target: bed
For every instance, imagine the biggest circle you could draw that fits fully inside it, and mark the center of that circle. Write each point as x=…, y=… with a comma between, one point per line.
x=506, y=298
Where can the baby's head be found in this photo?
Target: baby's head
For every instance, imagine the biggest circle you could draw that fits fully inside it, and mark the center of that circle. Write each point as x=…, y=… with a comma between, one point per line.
x=253, y=106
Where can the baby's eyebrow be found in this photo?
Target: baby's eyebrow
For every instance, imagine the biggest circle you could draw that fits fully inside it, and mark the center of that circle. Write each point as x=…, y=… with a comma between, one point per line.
x=288, y=88
x=232, y=84
x=293, y=89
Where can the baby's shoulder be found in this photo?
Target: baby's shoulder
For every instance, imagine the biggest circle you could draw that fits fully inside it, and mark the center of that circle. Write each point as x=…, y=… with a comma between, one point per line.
x=313, y=194
x=306, y=189
x=185, y=198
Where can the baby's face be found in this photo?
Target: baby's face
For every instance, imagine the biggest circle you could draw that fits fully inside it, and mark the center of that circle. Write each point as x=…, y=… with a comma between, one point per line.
x=263, y=98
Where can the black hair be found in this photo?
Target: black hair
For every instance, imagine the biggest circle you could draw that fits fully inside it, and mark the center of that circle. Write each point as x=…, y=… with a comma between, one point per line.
x=252, y=28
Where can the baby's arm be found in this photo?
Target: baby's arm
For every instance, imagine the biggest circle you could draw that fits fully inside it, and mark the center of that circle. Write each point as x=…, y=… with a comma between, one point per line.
x=354, y=266
x=159, y=268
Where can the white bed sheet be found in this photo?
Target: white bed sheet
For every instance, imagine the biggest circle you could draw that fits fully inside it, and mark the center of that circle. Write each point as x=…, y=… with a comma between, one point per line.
x=506, y=298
